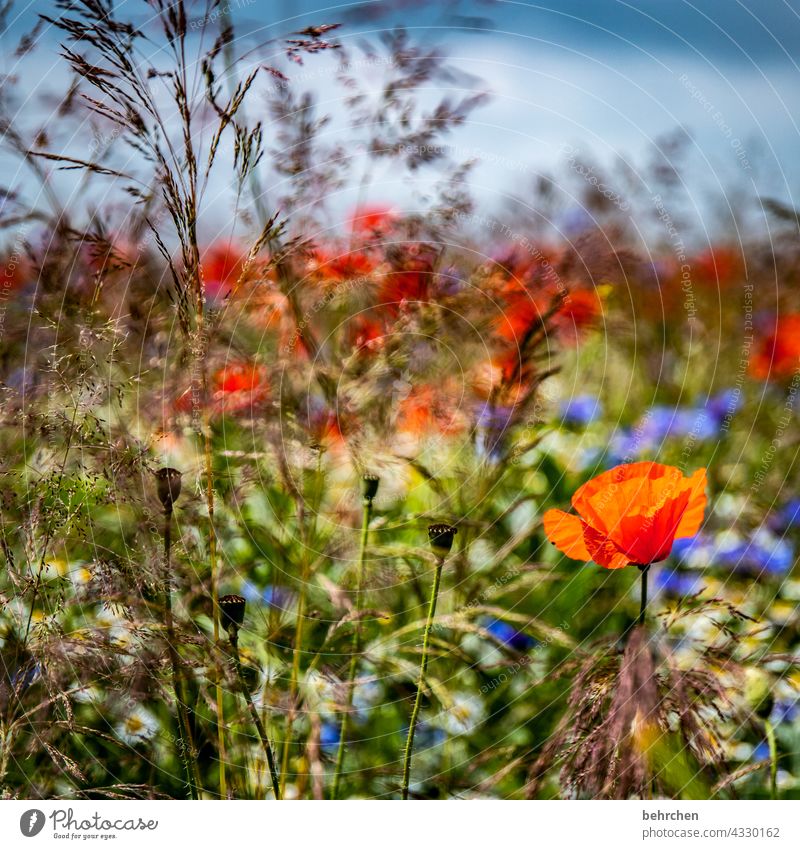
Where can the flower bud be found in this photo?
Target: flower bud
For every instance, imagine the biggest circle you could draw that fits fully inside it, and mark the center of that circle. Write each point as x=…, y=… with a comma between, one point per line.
x=231, y=612
x=369, y=486
x=168, y=483
x=441, y=538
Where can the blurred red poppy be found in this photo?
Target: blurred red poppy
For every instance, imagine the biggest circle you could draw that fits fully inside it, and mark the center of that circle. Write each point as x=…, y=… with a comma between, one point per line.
x=579, y=311
x=372, y=219
x=524, y=310
x=521, y=312
x=409, y=281
x=367, y=334
x=718, y=266
x=239, y=386
x=15, y=272
x=335, y=264
x=234, y=388
x=349, y=265
x=777, y=353
x=426, y=409
x=324, y=428
x=223, y=265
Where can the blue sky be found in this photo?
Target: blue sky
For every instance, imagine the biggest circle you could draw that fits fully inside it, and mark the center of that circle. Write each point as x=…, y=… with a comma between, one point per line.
x=607, y=78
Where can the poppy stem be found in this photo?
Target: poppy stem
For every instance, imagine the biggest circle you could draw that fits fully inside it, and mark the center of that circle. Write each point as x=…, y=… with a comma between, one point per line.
x=437, y=577
x=262, y=733
x=355, y=651
x=773, y=758
x=212, y=557
x=185, y=742
x=643, y=605
x=295, y=676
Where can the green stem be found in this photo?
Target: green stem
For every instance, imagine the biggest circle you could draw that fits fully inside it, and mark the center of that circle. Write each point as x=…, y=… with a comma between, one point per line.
x=186, y=745
x=437, y=577
x=356, y=650
x=294, y=679
x=773, y=758
x=643, y=604
x=262, y=733
x=212, y=557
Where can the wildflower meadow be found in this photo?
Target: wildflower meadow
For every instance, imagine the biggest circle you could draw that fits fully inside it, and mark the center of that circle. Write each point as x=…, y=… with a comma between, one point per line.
x=327, y=473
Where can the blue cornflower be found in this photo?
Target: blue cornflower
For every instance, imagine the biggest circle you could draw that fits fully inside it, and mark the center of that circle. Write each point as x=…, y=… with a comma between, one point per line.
x=695, y=552
x=678, y=422
x=580, y=410
x=699, y=422
x=672, y=582
x=492, y=424
x=763, y=552
x=785, y=710
x=787, y=517
x=279, y=598
x=329, y=735
x=623, y=445
x=723, y=405
x=508, y=634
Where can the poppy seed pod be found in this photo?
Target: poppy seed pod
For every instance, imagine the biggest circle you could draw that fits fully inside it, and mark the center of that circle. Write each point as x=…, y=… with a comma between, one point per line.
x=231, y=612
x=441, y=538
x=168, y=482
x=369, y=486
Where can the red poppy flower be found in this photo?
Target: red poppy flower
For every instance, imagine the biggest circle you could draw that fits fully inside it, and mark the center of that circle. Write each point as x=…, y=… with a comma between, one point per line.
x=630, y=514
x=238, y=387
x=777, y=354
x=372, y=219
x=334, y=264
x=349, y=265
x=223, y=265
x=520, y=314
x=15, y=272
x=426, y=409
x=324, y=428
x=410, y=284
x=525, y=308
x=235, y=387
x=579, y=310
x=367, y=335
x=409, y=279
x=718, y=266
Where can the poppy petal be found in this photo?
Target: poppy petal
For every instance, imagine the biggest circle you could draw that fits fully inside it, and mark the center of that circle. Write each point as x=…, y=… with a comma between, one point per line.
x=605, y=500
x=604, y=551
x=566, y=531
x=647, y=536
